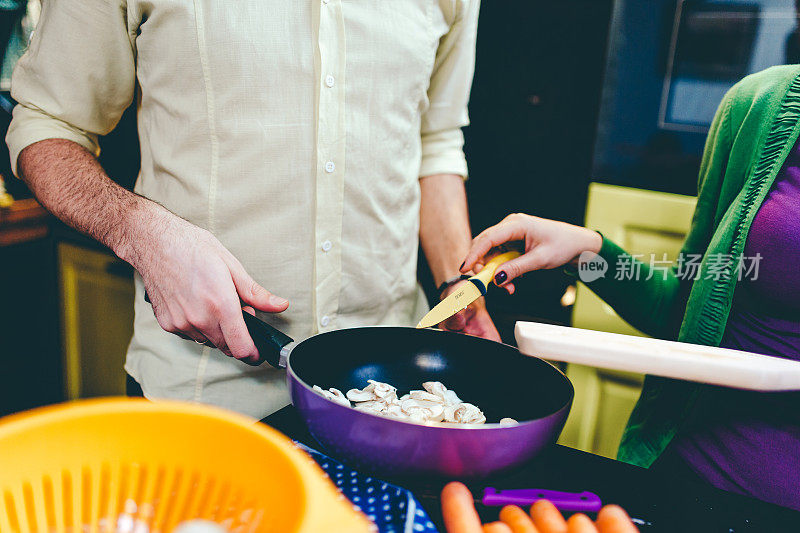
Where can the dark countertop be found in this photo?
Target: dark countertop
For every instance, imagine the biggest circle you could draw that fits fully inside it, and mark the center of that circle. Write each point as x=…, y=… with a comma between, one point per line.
x=663, y=504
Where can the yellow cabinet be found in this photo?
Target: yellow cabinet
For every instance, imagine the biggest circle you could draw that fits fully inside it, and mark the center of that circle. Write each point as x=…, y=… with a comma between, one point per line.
x=642, y=222
x=97, y=320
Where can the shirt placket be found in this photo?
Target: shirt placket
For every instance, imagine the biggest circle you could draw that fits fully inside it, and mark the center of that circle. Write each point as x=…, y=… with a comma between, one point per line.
x=330, y=164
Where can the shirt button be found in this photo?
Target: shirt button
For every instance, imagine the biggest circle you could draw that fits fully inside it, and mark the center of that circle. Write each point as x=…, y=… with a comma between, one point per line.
x=329, y=167
x=329, y=80
x=324, y=321
x=326, y=246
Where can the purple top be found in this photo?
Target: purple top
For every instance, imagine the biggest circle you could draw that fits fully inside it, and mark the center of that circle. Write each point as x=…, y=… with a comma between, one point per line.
x=743, y=441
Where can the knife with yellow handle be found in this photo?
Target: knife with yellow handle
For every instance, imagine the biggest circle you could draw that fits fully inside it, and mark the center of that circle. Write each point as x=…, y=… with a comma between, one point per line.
x=466, y=293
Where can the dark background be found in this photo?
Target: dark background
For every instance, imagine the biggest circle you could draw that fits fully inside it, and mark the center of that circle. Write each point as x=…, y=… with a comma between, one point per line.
x=533, y=111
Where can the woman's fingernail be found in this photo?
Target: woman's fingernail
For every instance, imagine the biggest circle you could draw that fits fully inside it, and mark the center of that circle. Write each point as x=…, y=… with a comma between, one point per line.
x=462, y=265
x=500, y=278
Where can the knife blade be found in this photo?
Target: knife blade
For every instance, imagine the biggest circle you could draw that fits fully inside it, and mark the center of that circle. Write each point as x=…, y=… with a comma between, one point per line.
x=457, y=301
x=466, y=293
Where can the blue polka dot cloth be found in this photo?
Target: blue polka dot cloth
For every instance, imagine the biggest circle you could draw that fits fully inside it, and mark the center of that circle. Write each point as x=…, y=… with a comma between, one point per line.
x=393, y=509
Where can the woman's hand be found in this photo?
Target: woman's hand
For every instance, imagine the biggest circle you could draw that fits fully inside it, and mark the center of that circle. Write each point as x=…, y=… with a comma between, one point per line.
x=548, y=244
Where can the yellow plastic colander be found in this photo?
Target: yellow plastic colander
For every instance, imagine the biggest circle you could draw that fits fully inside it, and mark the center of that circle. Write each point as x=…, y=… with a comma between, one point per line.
x=134, y=465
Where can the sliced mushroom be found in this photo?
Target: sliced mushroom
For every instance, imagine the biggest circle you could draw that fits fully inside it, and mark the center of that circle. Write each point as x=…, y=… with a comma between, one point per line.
x=434, y=413
x=339, y=397
x=436, y=404
x=417, y=416
x=409, y=405
x=355, y=395
x=435, y=387
x=438, y=389
x=426, y=396
x=464, y=413
x=375, y=390
x=427, y=404
x=451, y=398
x=333, y=395
x=373, y=406
x=396, y=411
x=383, y=390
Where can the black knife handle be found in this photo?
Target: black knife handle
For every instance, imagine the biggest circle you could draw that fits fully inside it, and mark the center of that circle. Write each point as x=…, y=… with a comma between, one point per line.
x=268, y=339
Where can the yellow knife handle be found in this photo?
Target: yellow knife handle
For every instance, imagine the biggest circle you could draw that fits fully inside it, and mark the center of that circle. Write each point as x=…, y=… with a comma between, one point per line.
x=486, y=275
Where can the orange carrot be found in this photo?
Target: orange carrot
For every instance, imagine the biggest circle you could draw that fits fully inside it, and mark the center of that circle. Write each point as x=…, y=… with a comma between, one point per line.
x=580, y=523
x=547, y=519
x=458, y=509
x=614, y=519
x=517, y=519
x=496, y=527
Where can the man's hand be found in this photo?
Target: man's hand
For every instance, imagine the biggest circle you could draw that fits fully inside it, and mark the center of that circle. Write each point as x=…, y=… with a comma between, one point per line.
x=445, y=237
x=196, y=286
x=474, y=320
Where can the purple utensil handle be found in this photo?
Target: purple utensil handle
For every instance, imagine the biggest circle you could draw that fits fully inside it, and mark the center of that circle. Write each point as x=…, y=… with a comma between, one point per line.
x=585, y=502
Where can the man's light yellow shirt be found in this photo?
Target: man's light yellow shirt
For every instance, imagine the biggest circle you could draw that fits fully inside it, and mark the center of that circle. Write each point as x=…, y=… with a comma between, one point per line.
x=296, y=132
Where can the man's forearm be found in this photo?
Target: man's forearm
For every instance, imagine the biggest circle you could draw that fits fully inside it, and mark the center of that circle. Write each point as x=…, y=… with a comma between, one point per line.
x=72, y=185
x=444, y=224
x=196, y=286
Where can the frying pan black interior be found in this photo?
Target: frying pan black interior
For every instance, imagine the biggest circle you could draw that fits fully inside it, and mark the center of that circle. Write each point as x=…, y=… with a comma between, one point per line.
x=493, y=376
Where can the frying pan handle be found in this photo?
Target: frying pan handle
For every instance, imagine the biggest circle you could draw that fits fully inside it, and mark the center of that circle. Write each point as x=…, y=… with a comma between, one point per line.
x=269, y=340
x=271, y=343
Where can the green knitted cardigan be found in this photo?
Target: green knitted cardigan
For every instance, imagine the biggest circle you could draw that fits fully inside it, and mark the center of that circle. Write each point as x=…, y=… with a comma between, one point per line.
x=755, y=127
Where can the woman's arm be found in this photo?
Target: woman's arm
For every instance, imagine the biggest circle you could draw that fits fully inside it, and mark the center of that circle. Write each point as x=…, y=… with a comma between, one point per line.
x=652, y=302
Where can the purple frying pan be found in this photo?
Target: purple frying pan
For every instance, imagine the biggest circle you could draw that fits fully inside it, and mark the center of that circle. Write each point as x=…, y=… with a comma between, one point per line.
x=493, y=376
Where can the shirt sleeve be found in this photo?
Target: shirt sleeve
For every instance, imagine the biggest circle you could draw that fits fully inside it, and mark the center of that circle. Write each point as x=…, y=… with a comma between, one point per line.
x=76, y=78
x=448, y=94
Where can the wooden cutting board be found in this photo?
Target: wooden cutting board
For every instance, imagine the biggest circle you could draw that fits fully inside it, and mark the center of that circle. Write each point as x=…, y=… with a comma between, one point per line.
x=690, y=362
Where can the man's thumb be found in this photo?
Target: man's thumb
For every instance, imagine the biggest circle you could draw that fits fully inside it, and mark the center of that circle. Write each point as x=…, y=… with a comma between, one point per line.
x=260, y=298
